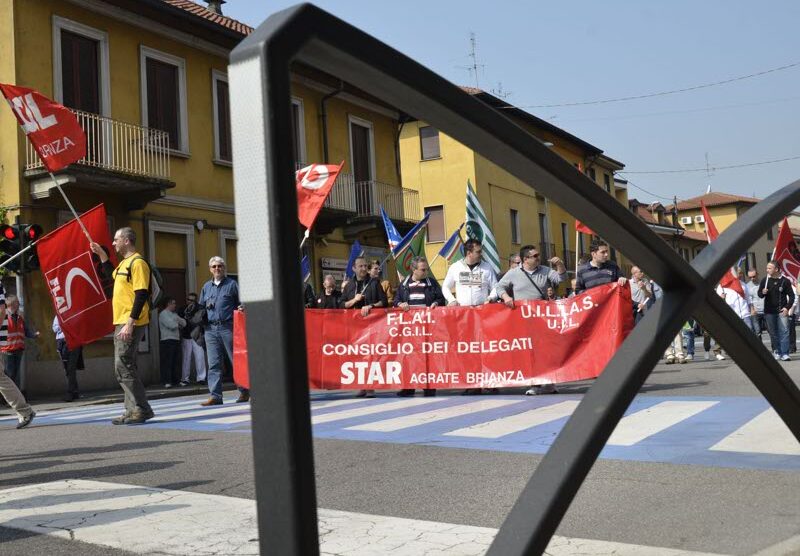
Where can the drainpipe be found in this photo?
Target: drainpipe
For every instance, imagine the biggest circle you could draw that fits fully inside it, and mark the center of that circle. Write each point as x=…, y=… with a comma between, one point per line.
x=323, y=114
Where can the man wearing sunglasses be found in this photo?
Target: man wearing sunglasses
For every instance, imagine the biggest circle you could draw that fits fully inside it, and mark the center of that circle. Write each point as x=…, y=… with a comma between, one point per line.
x=530, y=281
x=220, y=298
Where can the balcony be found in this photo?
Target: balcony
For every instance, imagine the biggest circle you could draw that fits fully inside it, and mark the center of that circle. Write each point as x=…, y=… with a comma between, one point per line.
x=547, y=251
x=352, y=202
x=127, y=157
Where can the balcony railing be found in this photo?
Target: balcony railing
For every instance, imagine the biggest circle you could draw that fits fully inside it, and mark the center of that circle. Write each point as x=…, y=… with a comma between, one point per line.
x=399, y=203
x=118, y=147
x=569, y=260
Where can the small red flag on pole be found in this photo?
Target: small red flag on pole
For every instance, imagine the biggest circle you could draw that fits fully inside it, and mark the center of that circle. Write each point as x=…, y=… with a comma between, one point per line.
x=731, y=278
x=314, y=182
x=581, y=227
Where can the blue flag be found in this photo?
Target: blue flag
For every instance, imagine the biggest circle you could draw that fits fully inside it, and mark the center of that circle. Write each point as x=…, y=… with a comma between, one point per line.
x=355, y=252
x=392, y=234
x=305, y=268
x=453, y=250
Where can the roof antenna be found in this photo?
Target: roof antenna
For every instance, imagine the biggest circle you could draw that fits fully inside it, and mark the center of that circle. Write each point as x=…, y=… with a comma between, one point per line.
x=473, y=69
x=708, y=176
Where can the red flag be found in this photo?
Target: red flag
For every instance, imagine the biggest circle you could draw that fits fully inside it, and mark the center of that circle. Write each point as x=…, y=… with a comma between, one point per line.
x=314, y=182
x=786, y=253
x=731, y=279
x=82, y=299
x=52, y=129
x=581, y=227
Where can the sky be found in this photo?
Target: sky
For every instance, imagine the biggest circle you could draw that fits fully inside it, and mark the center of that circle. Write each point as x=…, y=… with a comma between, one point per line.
x=545, y=53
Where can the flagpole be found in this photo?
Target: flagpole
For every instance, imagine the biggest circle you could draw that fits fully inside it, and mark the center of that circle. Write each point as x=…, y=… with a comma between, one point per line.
x=577, y=245
x=434, y=260
x=71, y=208
x=305, y=237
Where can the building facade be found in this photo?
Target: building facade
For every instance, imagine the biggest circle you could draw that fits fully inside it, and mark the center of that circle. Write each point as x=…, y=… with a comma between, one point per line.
x=438, y=167
x=148, y=84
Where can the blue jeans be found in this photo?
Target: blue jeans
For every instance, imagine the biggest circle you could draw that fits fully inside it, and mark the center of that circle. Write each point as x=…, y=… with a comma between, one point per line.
x=778, y=327
x=219, y=343
x=688, y=340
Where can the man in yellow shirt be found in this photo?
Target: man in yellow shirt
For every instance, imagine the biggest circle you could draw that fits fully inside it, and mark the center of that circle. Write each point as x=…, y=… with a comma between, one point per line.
x=131, y=314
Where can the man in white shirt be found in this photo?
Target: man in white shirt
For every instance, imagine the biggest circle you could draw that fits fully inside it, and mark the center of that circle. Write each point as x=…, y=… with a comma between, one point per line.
x=472, y=278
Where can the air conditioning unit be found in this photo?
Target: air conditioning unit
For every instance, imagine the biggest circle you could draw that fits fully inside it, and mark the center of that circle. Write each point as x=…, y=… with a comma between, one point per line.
x=686, y=219
x=699, y=218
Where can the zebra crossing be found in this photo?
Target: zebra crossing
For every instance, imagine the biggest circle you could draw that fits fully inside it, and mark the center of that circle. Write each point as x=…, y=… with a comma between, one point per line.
x=715, y=431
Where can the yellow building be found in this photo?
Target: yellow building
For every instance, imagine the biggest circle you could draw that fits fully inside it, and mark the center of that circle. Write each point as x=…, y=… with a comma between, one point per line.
x=149, y=84
x=438, y=167
x=687, y=243
x=724, y=209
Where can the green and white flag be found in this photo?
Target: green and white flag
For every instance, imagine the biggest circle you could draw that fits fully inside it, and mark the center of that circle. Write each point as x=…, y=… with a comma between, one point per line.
x=478, y=228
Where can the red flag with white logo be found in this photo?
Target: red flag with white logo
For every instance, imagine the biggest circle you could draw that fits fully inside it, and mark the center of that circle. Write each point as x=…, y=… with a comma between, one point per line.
x=52, y=129
x=81, y=297
x=731, y=279
x=786, y=253
x=314, y=182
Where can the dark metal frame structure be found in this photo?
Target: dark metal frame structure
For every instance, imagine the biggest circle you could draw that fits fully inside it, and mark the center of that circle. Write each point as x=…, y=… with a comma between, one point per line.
x=266, y=212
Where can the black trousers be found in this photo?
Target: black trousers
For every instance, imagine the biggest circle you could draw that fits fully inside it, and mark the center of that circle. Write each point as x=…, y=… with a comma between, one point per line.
x=72, y=360
x=169, y=355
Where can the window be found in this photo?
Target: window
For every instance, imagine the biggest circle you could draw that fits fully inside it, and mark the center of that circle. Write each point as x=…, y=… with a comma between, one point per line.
x=299, y=132
x=565, y=239
x=80, y=67
x=222, y=116
x=685, y=253
x=362, y=164
x=435, y=230
x=515, y=233
x=607, y=182
x=592, y=174
x=770, y=234
x=164, y=96
x=429, y=142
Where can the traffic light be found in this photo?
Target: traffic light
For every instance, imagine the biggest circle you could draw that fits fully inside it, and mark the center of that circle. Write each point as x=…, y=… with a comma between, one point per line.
x=10, y=244
x=28, y=234
x=14, y=238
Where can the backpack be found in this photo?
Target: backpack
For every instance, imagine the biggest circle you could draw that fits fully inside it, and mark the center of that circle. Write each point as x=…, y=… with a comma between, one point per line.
x=156, y=282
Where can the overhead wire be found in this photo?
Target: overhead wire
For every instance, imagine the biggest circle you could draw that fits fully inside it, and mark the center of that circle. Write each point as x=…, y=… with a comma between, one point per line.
x=661, y=93
x=714, y=168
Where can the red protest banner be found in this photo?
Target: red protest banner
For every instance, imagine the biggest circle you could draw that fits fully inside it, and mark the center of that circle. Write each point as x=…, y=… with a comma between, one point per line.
x=52, y=129
x=314, y=182
x=583, y=228
x=82, y=300
x=730, y=280
x=786, y=253
x=460, y=347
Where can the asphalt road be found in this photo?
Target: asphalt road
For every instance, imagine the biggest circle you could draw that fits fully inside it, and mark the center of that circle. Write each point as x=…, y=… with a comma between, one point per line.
x=732, y=505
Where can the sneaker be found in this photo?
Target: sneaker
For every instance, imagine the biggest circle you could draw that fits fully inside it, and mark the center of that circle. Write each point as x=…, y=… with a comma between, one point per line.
x=183, y=383
x=542, y=389
x=243, y=398
x=120, y=420
x=168, y=385
x=776, y=356
x=138, y=417
x=708, y=356
x=785, y=358
x=689, y=357
x=720, y=357
x=681, y=360
x=670, y=360
x=26, y=420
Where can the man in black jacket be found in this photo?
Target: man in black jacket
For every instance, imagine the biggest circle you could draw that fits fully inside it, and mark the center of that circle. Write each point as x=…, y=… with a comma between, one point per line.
x=363, y=293
x=778, y=296
x=192, y=340
x=418, y=290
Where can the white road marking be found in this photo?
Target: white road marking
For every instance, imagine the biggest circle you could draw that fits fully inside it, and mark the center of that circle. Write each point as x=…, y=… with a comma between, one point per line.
x=647, y=422
x=416, y=419
x=230, y=420
x=337, y=403
x=764, y=434
x=209, y=412
x=182, y=523
x=118, y=409
x=371, y=409
x=519, y=422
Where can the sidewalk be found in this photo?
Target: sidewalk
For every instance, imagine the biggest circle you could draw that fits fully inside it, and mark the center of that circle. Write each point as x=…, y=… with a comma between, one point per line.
x=101, y=397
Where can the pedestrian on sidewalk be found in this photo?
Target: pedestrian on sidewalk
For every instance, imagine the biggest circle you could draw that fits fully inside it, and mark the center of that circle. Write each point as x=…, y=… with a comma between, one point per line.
x=14, y=347
x=192, y=341
x=169, y=325
x=131, y=315
x=778, y=296
x=8, y=389
x=72, y=359
x=220, y=297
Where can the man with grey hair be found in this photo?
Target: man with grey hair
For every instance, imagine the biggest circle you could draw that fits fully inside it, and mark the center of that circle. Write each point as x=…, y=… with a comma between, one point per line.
x=131, y=315
x=220, y=298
